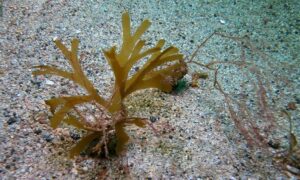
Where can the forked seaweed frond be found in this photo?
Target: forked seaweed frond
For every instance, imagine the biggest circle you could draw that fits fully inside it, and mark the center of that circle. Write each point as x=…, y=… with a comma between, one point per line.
x=162, y=69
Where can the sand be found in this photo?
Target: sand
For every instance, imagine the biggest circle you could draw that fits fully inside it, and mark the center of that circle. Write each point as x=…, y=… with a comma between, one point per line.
x=198, y=137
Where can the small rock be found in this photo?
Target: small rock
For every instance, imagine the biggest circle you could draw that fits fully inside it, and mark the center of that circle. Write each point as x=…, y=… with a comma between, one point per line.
x=6, y=113
x=74, y=136
x=7, y=166
x=222, y=21
x=11, y=120
x=23, y=170
x=85, y=168
x=291, y=106
x=36, y=83
x=293, y=170
x=37, y=131
x=55, y=38
x=297, y=99
x=48, y=82
x=274, y=144
x=153, y=119
x=48, y=137
x=2, y=171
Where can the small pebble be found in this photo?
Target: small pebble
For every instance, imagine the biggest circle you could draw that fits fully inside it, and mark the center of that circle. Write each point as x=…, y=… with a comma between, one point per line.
x=74, y=136
x=85, y=168
x=48, y=137
x=297, y=100
x=222, y=21
x=36, y=83
x=291, y=106
x=6, y=113
x=7, y=166
x=11, y=120
x=37, y=131
x=2, y=171
x=48, y=82
x=293, y=170
x=153, y=119
x=274, y=144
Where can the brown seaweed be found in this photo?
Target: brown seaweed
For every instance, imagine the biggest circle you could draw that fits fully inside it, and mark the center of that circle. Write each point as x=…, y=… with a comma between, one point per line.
x=162, y=69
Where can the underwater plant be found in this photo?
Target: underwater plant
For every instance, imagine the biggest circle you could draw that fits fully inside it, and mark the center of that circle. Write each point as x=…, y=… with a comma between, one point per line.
x=289, y=159
x=162, y=69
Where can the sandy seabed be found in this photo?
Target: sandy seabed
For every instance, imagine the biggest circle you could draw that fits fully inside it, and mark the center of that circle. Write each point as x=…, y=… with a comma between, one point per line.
x=199, y=137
